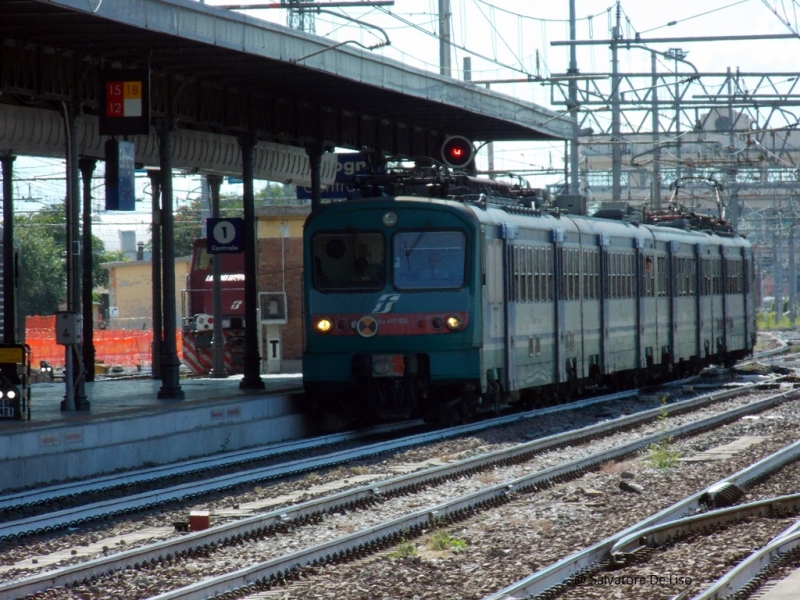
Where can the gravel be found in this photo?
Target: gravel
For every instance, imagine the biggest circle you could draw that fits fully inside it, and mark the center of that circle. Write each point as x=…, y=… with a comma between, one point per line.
x=500, y=546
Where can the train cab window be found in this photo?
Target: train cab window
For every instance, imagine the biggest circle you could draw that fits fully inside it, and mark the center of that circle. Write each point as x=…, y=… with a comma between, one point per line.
x=429, y=259
x=201, y=261
x=348, y=261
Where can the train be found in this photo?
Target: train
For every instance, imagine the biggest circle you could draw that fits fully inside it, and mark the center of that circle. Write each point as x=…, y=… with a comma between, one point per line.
x=438, y=294
x=197, y=325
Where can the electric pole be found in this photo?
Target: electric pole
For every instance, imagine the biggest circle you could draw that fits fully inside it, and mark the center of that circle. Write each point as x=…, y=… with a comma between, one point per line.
x=444, y=38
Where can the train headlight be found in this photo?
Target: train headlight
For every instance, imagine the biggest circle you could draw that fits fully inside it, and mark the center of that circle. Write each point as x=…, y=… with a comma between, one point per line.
x=453, y=323
x=11, y=394
x=323, y=325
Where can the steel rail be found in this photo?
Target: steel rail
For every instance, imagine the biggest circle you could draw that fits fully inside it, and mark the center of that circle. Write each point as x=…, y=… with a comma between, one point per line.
x=744, y=576
x=26, y=498
x=300, y=513
x=119, y=506
x=558, y=575
x=652, y=537
x=52, y=494
x=381, y=535
x=262, y=575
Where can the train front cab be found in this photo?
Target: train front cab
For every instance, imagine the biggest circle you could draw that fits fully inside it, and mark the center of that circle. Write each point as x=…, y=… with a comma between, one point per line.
x=389, y=297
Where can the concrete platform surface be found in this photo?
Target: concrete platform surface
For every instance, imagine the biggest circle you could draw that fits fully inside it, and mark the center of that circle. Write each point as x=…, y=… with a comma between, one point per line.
x=788, y=589
x=127, y=426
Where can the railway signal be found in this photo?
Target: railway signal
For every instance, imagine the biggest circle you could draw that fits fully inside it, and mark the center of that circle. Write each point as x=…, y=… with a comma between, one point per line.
x=457, y=152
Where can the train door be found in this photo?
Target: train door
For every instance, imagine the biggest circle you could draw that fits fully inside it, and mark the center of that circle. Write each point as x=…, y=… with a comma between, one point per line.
x=494, y=317
x=705, y=311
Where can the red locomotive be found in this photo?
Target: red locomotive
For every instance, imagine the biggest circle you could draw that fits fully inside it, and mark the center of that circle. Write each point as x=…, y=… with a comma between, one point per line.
x=198, y=311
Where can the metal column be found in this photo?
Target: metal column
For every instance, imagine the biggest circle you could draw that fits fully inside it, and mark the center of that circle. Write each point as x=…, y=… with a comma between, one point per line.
x=87, y=166
x=252, y=359
x=616, y=128
x=170, y=364
x=218, y=343
x=75, y=376
x=155, y=260
x=656, y=135
x=574, y=166
x=9, y=270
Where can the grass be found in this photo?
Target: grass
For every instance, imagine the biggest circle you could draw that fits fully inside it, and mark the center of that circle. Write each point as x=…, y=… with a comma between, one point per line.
x=404, y=550
x=769, y=321
x=661, y=454
x=441, y=540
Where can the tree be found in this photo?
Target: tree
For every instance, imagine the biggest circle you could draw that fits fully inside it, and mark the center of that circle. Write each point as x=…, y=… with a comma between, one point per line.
x=42, y=276
x=189, y=221
x=42, y=241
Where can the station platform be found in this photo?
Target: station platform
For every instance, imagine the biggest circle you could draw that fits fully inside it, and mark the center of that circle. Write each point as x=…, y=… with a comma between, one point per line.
x=788, y=589
x=128, y=427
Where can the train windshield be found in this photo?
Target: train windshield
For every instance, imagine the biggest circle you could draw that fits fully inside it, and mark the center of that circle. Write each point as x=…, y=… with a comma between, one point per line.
x=429, y=259
x=202, y=259
x=349, y=261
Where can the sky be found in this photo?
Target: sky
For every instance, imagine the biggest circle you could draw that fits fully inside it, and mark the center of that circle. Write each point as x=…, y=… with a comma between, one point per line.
x=510, y=39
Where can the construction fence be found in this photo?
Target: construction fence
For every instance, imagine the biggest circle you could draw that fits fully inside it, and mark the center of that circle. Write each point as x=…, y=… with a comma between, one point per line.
x=113, y=347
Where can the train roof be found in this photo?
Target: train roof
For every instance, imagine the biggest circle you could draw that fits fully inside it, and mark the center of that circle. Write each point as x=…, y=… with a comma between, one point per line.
x=613, y=229
x=498, y=202
x=482, y=211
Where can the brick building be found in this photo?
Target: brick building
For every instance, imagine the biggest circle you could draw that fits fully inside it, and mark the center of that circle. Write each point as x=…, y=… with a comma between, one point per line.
x=280, y=270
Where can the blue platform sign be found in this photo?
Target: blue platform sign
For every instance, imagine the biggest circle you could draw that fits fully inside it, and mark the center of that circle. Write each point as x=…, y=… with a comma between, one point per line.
x=224, y=235
x=348, y=166
x=120, y=175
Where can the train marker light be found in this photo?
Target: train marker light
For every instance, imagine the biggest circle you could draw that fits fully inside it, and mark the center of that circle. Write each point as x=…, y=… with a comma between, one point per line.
x=454, y=323
x=324, y=325
x=389, y=219
x=457, y=152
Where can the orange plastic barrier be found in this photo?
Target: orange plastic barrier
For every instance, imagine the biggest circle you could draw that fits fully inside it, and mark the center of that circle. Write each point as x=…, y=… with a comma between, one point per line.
x=113, y=347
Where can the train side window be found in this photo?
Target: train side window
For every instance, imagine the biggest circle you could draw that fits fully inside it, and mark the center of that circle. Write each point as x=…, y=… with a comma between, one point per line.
x=348, y=261
x=748, y=269
x=596, y=274
x=567, y=272
x=630, y=274
x=528, y=274
x=586, y=275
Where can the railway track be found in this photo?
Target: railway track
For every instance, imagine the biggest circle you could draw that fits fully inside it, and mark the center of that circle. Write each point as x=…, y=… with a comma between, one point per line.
x=375, y=536
x=160, y=495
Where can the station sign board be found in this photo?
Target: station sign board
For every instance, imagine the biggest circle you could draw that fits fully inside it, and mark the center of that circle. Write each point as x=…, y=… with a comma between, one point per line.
x=224, y=235
x=349, y=165
x=125, y=102
x=120, y=175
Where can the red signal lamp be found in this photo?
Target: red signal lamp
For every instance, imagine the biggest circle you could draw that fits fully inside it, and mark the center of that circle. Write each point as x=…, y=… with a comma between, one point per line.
x=457, y=152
